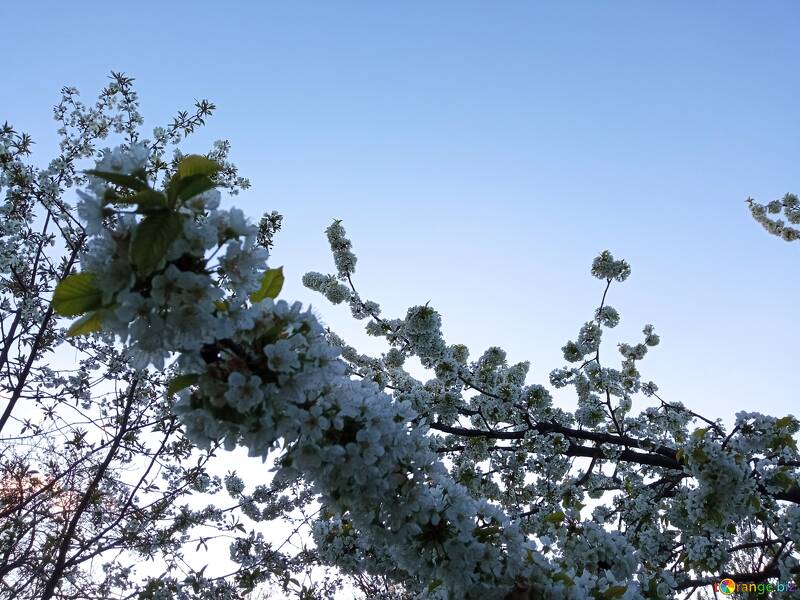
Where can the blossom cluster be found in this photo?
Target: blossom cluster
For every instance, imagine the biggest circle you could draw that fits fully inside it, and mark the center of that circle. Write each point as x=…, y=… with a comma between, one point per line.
x=680, y=494
x=790, y=205
x=254, y=371
x=180, y=276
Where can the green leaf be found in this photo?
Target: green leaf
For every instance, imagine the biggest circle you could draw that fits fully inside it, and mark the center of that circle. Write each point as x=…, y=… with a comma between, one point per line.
x=434, y=584
x=150, y=200
x=555, y=518
x=172, y=188
x=271, y=284
x=782, y=479
x=786, y=422
x=698, y=434
x=120, y=179
x=110, y=196
x=151, y=239
x=564, y=578
x=195, y=164
x=616, y=591
x=76, y=294
x=181, y=382
x=699, y=456
x=193, y=186
x=88, y=323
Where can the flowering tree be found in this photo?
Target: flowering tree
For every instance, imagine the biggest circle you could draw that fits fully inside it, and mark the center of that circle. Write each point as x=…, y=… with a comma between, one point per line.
x=96, y=473
x=471, y=484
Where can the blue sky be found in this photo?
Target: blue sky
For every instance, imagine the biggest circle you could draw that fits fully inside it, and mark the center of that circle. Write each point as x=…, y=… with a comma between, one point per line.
x=480, y=155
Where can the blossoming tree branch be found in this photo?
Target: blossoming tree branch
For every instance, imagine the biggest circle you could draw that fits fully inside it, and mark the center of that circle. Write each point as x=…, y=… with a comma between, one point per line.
x=471, y=484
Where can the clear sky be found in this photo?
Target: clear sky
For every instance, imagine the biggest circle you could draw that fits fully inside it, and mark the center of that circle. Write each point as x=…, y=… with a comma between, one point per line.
x=481, y=154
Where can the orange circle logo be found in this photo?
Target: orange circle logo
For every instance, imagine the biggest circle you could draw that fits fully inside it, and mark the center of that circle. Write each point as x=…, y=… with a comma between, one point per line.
x=727, y=586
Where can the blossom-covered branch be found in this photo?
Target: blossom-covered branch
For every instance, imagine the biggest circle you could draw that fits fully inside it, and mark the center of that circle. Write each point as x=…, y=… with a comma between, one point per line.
x=408, y=471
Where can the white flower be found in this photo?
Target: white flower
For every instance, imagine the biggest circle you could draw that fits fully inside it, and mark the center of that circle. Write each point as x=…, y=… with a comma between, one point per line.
x=234, y=484
x=281, y=356
x=242, y=264
x=244, y=393
x=340, y=246
x=90, y=210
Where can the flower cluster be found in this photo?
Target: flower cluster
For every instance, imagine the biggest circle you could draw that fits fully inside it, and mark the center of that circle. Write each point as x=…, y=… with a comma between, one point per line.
x=790, y=205
x=255, y=371
x=516, y=449
x=178, y=276
x=605, y=267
